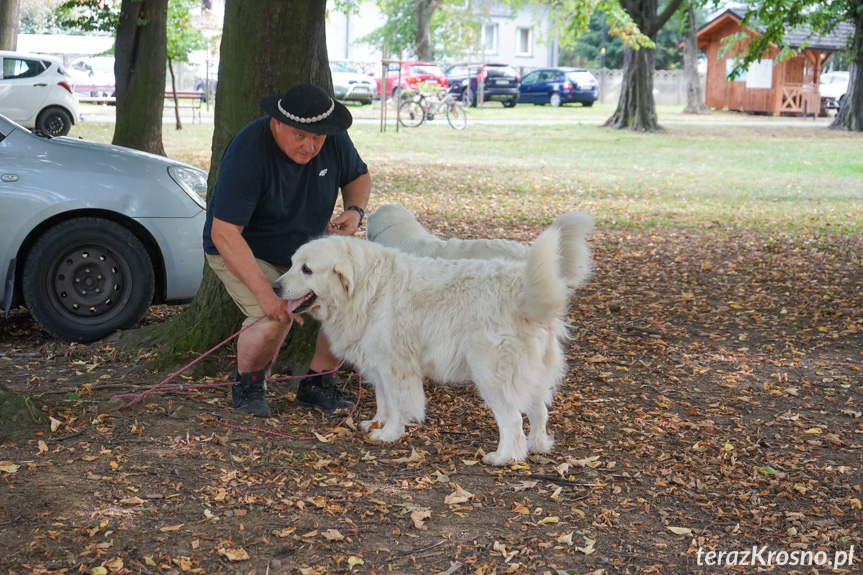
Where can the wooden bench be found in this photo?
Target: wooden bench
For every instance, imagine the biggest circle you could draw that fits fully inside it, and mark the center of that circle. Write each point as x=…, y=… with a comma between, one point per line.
x=187, y=99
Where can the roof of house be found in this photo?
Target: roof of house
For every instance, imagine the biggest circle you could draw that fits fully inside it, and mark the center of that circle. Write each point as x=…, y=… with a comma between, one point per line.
x=837, y=39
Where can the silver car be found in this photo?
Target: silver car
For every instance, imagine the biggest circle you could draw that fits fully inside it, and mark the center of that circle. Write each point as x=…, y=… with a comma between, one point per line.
x=350, y=83
x=92, y=234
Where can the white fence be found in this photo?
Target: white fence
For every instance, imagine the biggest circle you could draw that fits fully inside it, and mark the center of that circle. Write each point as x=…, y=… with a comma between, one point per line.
x=669, y=86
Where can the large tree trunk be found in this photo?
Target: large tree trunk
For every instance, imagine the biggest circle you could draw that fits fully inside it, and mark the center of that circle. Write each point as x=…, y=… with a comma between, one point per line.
x=9, y=17
x=850, y=116
x=140, y=55
x=423, y=14
x=636, y=108
x=267, y=46
x=694, y=95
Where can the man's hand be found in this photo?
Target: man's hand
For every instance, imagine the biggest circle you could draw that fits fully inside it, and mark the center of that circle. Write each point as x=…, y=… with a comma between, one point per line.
x=347, y=224
x=276, y=309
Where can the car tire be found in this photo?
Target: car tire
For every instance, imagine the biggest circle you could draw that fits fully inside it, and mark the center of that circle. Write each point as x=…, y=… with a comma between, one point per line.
x=509, y=103
x=54, y=121
x=466, y=98
x=397, y=94
x=554, y=99
x=587, y=104
x=85, y=278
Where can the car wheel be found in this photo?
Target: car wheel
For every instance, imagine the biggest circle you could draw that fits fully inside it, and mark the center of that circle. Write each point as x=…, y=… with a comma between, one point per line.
x=86, y=278
x=509, y=104
x=554, y=99
x=466, y=98
x=54, y=121
x=397, y=94
x=587, y=104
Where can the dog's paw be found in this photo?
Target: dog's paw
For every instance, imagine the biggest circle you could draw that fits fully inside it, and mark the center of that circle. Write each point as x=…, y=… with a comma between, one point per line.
x=366, y=425
x=542, y=443
x=387, y=434
x=496, y=458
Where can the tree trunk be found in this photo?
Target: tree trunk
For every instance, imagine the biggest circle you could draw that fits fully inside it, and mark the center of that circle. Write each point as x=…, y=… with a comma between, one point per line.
x=423, y=14
x=140, y=55
x=267, y=46
x=694, y=95
x=850, y=115
x=178, y=124
x=9, y=17
x=636, y=108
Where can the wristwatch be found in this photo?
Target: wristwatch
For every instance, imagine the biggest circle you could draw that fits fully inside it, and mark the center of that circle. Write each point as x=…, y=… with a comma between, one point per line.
x=358, y=210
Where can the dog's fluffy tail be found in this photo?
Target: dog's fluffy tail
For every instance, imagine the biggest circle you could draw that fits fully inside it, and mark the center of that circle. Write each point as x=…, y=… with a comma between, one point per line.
x=544, y=294
x=575, y=262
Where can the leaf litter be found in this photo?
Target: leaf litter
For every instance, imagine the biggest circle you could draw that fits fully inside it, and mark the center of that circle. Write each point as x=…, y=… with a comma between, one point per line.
x=712, y=403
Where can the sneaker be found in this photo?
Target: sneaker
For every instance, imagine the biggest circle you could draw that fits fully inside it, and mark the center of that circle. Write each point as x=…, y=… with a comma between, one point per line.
x=320, y=390
x=248, y=395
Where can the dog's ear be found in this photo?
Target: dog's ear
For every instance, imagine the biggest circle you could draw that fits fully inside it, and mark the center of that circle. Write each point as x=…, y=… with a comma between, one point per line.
x=344, y=273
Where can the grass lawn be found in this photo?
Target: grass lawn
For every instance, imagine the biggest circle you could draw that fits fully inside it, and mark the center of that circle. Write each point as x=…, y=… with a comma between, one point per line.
x=800, y=179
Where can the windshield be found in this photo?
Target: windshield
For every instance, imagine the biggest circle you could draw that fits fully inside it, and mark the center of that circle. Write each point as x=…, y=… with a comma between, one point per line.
x=345, y=68
x=580, y=77
x=426, y=69
x=103, y=65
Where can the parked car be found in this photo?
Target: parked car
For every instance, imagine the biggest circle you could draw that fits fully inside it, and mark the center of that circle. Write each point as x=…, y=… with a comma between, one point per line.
x=36, y=91
x=559, y=86
x=500, y=83
x=92, y=234
x=414, y=75
x=350, y=84
x=833, y=87
x=94, y=76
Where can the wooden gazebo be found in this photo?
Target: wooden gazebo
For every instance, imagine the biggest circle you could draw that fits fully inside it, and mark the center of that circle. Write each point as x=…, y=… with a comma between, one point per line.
x=768, y=87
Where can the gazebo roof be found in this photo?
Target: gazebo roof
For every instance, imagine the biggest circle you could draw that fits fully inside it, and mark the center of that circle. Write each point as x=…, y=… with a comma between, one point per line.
x=835, y=40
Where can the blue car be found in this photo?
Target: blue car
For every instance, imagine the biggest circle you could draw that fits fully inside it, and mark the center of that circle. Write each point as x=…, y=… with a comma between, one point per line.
x=559, y=86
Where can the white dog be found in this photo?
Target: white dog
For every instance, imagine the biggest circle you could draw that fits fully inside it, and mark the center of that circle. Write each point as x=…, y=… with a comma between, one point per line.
x=400, y=318
x=394, y=226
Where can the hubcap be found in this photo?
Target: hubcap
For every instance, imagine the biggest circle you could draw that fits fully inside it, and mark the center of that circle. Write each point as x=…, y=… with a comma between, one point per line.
x=89, y=282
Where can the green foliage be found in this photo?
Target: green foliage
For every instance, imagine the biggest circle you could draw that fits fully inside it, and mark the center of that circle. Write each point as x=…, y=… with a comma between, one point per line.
x=183, y=37
x=773, y=19
x=41, y=17
x=586, y=50
x=398, y=32
x=454, y=28
x=89, y=15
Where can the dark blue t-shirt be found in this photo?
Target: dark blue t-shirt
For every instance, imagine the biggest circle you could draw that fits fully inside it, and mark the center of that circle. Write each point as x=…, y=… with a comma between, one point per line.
x=280, y=204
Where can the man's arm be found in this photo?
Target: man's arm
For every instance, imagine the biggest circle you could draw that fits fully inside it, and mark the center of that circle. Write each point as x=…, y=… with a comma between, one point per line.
x=354, y=193
x=239, y=259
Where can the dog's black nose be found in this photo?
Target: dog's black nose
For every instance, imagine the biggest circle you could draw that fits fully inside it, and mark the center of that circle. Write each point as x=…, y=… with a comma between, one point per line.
x=277, y=289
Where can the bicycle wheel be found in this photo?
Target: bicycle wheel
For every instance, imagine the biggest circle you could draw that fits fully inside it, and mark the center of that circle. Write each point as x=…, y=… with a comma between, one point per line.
x=456, y=116
x=411, y=114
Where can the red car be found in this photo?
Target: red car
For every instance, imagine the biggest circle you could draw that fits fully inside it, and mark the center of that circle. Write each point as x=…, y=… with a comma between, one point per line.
x=413, y=73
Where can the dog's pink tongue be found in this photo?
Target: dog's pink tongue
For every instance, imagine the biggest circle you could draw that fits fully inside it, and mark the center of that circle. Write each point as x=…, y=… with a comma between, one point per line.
x=294, y=304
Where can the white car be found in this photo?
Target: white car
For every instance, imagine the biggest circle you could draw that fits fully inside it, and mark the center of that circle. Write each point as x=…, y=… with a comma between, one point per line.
x=93, y=76
x=37, y=92
x=91, y=234
x=833, y=86
x=351, y=84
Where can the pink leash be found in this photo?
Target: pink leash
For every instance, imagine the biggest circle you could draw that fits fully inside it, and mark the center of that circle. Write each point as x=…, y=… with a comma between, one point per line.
x=139, y=396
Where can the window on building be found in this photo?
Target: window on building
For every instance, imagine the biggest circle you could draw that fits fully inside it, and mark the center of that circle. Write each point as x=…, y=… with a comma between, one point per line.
x=489, y=38
x=523, y=42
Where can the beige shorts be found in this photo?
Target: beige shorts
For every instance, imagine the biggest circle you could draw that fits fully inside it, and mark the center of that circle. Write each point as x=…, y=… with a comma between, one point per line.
x=238, y=291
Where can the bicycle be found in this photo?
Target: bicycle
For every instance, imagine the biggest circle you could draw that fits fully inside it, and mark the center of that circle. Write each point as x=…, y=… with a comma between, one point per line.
x=421, y=107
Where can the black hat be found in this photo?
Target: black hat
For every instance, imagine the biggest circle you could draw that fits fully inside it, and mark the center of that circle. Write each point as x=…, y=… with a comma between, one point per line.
x=308, y=108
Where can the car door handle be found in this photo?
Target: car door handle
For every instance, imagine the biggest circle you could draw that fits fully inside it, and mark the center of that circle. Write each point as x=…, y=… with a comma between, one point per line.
x=9, y=178
x=40, y=85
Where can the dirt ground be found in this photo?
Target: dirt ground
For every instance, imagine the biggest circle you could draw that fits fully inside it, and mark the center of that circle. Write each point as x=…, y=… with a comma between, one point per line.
x=712, y=405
